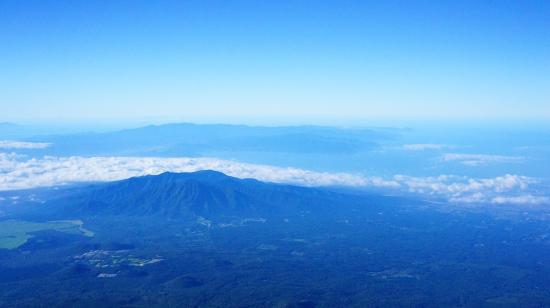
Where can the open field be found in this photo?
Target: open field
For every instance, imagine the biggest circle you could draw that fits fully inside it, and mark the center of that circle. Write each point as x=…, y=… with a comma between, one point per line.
x=14, y=233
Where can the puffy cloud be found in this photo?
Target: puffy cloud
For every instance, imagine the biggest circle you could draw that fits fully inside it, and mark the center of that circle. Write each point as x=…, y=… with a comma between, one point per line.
x=379, y=182
x=424, y=146
x=21, y=172
x=7, y=144
x=507, y=189
x=456, y=185
x=474, y=160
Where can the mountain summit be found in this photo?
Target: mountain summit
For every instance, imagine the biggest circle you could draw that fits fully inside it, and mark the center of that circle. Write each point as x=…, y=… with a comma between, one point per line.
x=203, y=193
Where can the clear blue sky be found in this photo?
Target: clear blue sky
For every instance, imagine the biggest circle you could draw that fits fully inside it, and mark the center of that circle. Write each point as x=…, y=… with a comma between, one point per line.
x=219, y=60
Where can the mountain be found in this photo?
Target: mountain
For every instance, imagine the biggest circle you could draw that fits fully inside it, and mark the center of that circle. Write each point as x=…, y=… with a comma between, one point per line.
x=174, y=240
x=208, y=194
x=199, y=140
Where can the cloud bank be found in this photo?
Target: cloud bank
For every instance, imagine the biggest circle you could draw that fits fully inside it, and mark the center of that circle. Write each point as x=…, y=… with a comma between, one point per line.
x=507, y=189
x=474, y=160
x=7, y=144
x=424, y=146
x=18, y=172
x=21, y=172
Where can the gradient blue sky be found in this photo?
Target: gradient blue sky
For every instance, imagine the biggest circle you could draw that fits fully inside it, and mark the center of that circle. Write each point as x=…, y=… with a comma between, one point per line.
x=71, y=61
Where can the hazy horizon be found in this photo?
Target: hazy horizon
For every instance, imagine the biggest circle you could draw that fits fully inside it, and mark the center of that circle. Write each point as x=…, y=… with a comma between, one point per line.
x=301, y=61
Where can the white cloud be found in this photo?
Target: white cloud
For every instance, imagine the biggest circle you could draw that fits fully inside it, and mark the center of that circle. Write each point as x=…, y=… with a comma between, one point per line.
x=17, y=172
x=21, y=172
x=522, y=199
x=509, y=188
x=7, y=144
x=424, y=146
x=474, y=160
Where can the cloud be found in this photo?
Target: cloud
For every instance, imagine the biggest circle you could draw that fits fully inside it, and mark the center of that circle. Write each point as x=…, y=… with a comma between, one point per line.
x=21, y=172
x=18, y=172
x=7, y=144
x=507, y=189
x=474, y=160
x=454, y=185
x=424, y=146
x=523, y=199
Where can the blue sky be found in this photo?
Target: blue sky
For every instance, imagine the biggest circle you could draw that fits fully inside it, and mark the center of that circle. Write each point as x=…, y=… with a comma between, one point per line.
x=78, y=61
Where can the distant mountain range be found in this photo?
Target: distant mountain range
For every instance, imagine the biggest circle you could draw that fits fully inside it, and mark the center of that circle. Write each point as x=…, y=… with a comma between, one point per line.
x=198, y=140
x=307, y=147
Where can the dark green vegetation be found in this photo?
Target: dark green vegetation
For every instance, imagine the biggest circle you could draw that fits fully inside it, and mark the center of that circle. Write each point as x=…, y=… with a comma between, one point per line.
x=204, y=239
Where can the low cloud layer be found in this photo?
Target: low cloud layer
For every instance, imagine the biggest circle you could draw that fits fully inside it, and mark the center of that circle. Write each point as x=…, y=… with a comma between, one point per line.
x=507, y=189
x=21, y=172
x=7, y=144
x=18, y=172
x=474, y=160
x=424, y=146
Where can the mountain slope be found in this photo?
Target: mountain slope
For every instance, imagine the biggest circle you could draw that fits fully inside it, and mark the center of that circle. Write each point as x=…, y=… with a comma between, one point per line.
x=203, y=193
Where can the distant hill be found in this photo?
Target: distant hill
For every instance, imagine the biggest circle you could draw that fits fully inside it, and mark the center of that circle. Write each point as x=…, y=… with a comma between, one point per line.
x=199, y=140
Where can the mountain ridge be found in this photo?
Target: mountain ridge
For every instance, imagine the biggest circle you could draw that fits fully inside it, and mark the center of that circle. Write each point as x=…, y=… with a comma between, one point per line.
x=205, y=193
